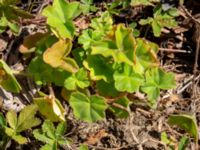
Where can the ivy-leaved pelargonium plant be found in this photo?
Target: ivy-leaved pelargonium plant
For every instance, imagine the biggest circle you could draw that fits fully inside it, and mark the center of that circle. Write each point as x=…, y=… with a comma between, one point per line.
x=106, y=66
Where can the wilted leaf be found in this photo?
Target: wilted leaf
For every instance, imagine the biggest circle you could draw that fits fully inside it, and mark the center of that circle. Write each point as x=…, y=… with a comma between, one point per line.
x=89, y=109
x=56, y=56
x=50, y=107
x=7, y=79
x=185, y=122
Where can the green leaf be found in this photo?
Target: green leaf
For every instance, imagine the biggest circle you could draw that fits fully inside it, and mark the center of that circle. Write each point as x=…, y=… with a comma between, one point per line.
x=51, y=108
x=185, y=122
x=77, y=80
x=2, y=121
x=15, y=136
x=56, y=56
x=14, y=27
x=124, y=102
x=61, y=22
x=7, y=80
x=89, y=37
x=38, y=134
x=20, y=139
x=61, y=128
x=157, y=79
x=103, y=88
x=102, y=24
x=126, y=79
x=11, y=117
x=145, y=55
x=26, y=118
x=88, y=109
x=121, y=48
x=156, y=28
x=43, y=73
x=183, y=143
x=99, y=68
x=49, y=129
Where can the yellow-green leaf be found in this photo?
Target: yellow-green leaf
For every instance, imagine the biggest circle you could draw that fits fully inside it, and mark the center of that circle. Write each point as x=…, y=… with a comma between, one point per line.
x=55, y=56
x=51, y=108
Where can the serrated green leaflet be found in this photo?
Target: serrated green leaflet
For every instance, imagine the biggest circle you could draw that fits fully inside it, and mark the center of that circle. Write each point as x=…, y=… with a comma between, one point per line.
x=88, y=109
x=77, y=80
x=185, y=122
x=7, y=79
x=126, y=79
x=53, y=137
x=120, y=46
x=60, y=16
x=24, y=121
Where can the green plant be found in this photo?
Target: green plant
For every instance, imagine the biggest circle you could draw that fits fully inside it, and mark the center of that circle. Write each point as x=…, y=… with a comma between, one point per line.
x=18, y=124
x=111, y=59
x=161, y=19
x=53, y=137
x=10, y=15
